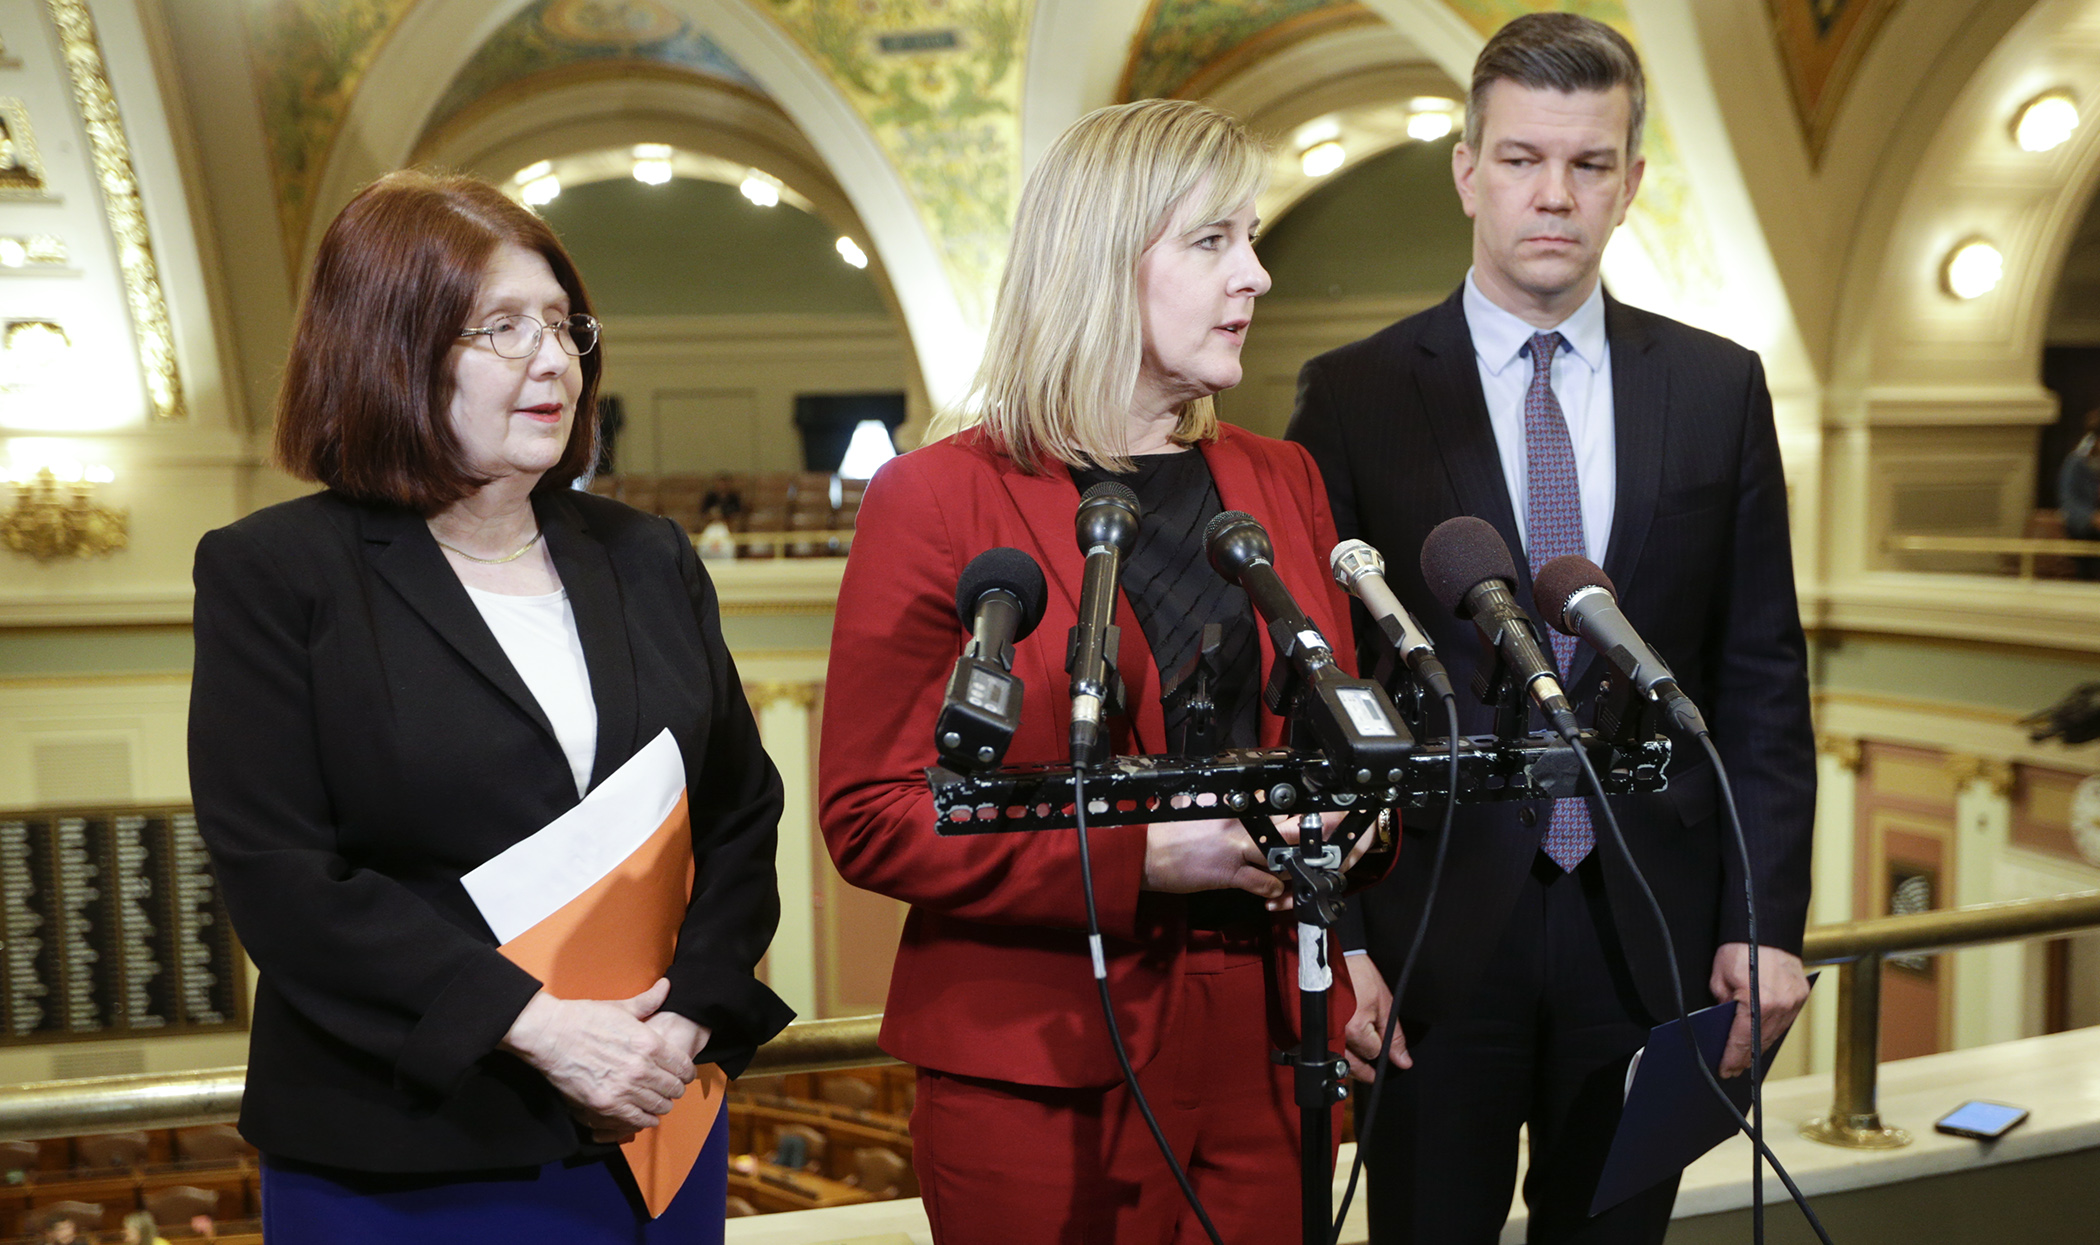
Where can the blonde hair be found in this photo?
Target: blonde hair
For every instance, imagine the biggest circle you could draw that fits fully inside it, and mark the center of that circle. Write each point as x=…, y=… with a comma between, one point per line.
x=1066, y=345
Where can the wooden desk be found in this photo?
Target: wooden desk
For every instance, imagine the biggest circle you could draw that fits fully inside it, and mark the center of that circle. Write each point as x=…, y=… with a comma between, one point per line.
x=773, y=1188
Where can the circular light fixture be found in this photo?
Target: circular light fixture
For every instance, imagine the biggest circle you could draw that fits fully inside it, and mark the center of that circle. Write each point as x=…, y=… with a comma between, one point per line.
x=1320, y=159
x=2047, y=121
x=850, y=251
x=652, y=172
x=533, y=172
x=1427, y=127
x=540, y=191
x=760, y=189
x=1316, y=131
x=1972, y=269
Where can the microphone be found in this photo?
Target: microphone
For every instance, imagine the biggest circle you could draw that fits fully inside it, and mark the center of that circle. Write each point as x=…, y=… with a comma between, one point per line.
x=1577, y=597
x=1468, y=568
x=1361, y=569
x=1355, y=722
x=1107, y=526
x=1000, y=599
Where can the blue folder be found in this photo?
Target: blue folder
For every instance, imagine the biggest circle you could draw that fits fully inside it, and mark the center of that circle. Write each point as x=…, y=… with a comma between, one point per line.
x=1671, y=1116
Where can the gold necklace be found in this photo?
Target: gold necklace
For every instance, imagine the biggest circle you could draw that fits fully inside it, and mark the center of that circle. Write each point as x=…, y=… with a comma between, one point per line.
x=508, y=557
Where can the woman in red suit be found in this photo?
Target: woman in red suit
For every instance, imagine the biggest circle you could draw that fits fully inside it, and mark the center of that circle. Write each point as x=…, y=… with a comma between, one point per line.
x=1127, y=295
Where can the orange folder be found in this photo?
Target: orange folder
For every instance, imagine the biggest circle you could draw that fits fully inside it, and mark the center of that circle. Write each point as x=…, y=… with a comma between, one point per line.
x=612, y=942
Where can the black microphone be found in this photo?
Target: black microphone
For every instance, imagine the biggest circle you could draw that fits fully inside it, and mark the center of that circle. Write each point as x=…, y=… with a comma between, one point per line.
x=1355, y=722
x=1000, y=599
x=1577, y=597
x=1107, y=527
x=1468, y=568
x=1361, y=569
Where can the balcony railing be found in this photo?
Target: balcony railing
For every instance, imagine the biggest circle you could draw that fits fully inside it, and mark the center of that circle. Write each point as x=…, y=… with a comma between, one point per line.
x=213, y=1096
x=2026, y=549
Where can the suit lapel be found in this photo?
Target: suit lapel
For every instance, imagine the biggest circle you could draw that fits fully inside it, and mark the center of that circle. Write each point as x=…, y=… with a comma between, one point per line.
x=1640, y=395
x=1455, y=411
x=601, y=624
x=404, y=553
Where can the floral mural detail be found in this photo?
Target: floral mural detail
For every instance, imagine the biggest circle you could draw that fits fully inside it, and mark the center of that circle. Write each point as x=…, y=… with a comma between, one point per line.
x=939, y=84
x=1184, y=45
x=307, y=58
x=553, y=34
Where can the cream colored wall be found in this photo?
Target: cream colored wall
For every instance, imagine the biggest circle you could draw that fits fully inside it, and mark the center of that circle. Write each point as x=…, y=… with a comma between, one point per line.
x=717, y=393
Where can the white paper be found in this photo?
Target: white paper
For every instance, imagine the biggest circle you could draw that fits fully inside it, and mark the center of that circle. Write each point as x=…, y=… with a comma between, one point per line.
x=533, y=878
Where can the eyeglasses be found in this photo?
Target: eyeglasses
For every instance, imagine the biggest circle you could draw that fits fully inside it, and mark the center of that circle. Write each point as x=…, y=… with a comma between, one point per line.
x=518, y=336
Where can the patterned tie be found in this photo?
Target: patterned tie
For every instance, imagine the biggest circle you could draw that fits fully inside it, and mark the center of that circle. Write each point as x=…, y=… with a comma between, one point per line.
x=1553, y=527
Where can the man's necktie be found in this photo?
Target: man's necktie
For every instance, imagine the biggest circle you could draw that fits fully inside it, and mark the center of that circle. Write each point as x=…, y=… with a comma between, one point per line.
x=1553, y=527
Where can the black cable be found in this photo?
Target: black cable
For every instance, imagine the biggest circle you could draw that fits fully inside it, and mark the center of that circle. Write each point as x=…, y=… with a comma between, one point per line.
x=1108, y=1011
x=1757, y=1010
x=1407, y=968
x=1662, y=922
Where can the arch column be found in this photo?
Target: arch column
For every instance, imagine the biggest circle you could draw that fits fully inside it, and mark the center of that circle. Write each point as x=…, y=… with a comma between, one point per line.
x=1990, y=983
x=783, y=710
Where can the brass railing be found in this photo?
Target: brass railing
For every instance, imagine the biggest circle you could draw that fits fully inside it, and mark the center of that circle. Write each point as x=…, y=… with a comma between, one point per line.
x=213, y=1096
x=2026, y=548
x=1857, y=948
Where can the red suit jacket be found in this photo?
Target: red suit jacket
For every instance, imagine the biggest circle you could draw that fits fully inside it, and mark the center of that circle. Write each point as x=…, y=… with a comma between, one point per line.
x=993, y=978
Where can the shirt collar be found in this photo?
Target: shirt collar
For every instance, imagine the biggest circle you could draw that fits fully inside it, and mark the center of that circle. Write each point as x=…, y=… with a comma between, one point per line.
x=1498, y=335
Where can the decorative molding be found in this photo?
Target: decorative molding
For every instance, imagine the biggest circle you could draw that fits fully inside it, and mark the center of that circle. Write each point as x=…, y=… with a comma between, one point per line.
x=765, y=693
x=121, y=205
x=1844, y=749
x=1995, y=772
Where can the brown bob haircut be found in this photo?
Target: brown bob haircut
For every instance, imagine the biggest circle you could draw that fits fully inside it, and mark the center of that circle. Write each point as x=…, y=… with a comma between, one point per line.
x=367, y=394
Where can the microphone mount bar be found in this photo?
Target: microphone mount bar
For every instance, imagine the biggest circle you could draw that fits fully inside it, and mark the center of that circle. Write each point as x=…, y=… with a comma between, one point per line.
x=1138, y=790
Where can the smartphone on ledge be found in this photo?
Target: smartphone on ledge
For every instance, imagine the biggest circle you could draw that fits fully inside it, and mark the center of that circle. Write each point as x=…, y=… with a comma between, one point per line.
x=1984, y=1121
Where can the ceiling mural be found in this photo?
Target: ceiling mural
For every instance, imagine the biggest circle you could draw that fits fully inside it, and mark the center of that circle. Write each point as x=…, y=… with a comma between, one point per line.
x=1186, y=46
x=1821, y=42
x=554, y=34
x=939, y=84
x=307, y=58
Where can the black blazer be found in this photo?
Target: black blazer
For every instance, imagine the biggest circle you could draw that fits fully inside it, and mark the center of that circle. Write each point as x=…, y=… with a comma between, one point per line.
x=359, y=740
x=1699, y=554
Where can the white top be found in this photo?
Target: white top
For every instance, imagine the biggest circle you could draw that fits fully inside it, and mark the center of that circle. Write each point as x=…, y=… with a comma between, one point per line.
x=539, y=636
x=1581, y=380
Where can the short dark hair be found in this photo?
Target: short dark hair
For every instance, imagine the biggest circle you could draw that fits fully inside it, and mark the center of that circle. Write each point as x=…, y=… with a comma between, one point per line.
x=1559, y=52
x=365, y=403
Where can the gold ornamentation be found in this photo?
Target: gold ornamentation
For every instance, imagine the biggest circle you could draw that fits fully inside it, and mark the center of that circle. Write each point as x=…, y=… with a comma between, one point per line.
x=766, y=693
x=50, y=522
x=1992, y=771
x=1844, y=749
x=120, y=204
x=21, y=167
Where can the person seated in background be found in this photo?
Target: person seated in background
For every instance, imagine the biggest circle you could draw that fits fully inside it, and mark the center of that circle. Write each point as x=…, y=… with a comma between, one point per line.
x=140, y=1229
x=2078, y=491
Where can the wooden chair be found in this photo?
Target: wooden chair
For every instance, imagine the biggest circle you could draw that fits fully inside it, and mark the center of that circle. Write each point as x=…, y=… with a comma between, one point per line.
x=881, y=1173
x=738, y=1208
x=18, y=1159
x=112, y=1150
x=178, y=1204
x=790, y=1137
x=211, y=1143
x=846, y=1091
x=86, y=1217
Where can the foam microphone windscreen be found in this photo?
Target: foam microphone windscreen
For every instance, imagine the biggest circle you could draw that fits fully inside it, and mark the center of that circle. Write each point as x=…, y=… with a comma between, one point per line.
x=1559, y=580
x=1005, y=568
x=1461, y=553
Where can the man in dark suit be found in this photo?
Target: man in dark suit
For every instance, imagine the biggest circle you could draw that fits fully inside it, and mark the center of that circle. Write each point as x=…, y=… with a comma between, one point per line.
x=1574, y=424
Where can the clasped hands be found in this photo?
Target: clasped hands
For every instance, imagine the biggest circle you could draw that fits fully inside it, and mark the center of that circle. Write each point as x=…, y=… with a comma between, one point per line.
x=619, y=1064
x=1218, y=854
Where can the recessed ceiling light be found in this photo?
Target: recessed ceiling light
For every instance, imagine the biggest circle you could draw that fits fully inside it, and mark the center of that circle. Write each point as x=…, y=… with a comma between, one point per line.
x=760, y=189
x=533, y=172
x=2046, y=121
x=850, y=251
x=540, y=191
x=1320, y=159
x=1973, y=269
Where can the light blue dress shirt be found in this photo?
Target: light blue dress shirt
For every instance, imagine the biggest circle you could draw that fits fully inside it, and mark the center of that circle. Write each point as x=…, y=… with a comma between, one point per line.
x=1581, y=380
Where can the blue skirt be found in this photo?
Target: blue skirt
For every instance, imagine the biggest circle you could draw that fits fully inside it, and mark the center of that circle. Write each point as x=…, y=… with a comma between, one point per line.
x=585, y=1203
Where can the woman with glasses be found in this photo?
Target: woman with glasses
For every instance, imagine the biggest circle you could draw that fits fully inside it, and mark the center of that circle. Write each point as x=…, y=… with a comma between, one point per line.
x=404, y=674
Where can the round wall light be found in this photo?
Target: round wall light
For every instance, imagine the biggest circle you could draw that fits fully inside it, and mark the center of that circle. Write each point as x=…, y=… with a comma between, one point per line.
x=1320, y=159
x=1972, y=269
x=2046, y=122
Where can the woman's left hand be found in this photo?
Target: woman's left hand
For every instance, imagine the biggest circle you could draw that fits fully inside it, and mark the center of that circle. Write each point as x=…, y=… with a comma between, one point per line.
x=679, y=1033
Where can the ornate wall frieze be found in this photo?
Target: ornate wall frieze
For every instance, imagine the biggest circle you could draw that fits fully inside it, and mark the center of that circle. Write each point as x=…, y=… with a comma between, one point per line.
x=121, y=205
